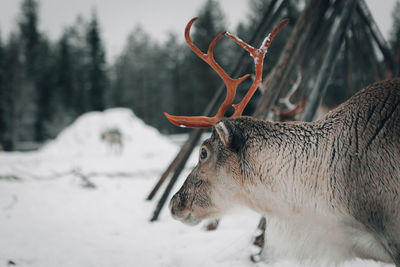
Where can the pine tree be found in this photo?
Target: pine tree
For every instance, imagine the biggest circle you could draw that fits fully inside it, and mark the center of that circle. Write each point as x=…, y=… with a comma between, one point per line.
x=118, y=96
x=28, y=25
x=76, y=38
x=13, y=82
x=3, y=125
x=46, y=93
x=30, y=38
x=72, y=69
x=172, y=79
x=134, y=76
x=70, y=77
x=65, y=78
x=96, y=66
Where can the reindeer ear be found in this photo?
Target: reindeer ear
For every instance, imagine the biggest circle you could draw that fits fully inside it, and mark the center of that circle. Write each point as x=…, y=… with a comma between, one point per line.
x=230, y=134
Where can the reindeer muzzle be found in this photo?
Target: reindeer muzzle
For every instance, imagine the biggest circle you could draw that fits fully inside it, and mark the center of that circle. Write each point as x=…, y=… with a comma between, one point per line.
x=180, y=210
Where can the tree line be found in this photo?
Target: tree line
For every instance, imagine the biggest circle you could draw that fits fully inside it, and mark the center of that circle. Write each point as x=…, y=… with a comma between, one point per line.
x=45, y=85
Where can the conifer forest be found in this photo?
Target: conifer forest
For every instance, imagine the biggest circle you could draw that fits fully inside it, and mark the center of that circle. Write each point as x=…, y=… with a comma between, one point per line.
x=45, y=84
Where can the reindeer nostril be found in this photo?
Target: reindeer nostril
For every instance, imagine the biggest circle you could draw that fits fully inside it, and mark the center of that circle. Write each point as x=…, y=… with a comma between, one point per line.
x=173, y=212
x=175, y=204
x=182, y=200
x=178, y=205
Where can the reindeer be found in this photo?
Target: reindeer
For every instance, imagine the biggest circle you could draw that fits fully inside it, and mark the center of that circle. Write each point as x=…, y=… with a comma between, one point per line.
x=332, y=185
x=113, y=138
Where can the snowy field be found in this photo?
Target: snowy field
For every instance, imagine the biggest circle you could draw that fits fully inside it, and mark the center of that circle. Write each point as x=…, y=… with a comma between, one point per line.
x=79, y=202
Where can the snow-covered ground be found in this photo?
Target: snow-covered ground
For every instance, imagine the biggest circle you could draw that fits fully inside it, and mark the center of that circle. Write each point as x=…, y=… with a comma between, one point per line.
x=78, y=202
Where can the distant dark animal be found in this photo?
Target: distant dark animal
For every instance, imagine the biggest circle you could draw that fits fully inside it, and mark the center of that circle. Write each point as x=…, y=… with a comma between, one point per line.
x=113, y=138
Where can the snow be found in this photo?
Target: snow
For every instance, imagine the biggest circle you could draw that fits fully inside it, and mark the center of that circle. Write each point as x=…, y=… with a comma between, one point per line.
x=51, y=217
x=266, y=39
x=80, y=147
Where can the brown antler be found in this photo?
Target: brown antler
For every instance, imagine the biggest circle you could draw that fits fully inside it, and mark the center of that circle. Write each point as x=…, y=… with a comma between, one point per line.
x=230, y=83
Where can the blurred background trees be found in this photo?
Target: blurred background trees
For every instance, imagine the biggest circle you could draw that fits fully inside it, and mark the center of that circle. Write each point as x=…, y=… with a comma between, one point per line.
x=45, y=85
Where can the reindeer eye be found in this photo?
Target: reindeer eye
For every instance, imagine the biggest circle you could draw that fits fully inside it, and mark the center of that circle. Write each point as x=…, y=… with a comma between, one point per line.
x=203, y=153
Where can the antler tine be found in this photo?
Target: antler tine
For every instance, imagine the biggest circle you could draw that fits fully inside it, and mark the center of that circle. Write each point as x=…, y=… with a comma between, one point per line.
x=230, y=83
x=209, y=57
x=258, y=55
x=267, y=41
x=189, y=41
x=191, y=121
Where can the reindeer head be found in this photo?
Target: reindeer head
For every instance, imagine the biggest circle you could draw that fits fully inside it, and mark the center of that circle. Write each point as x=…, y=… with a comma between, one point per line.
x=216, y=182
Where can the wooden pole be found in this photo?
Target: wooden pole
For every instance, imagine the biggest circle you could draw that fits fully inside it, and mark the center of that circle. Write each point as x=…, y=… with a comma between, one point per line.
x=316, y=49
x=334, y=42
x=303, y=52
x=370, y=52
x=272, y=90
x=363, y=11
x=347, y=63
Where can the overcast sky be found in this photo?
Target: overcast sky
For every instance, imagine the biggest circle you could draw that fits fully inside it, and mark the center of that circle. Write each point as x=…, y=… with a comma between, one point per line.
x=157, y=17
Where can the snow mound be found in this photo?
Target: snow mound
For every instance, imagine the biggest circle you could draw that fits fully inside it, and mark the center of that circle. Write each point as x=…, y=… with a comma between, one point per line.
x=83, y=137
x=80, y=147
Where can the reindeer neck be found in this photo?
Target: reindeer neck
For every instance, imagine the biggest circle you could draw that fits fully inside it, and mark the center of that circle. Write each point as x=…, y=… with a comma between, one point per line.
x=290, y=161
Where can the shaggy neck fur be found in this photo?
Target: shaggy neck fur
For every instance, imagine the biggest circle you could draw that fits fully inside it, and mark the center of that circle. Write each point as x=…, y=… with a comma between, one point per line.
x=280, y=158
